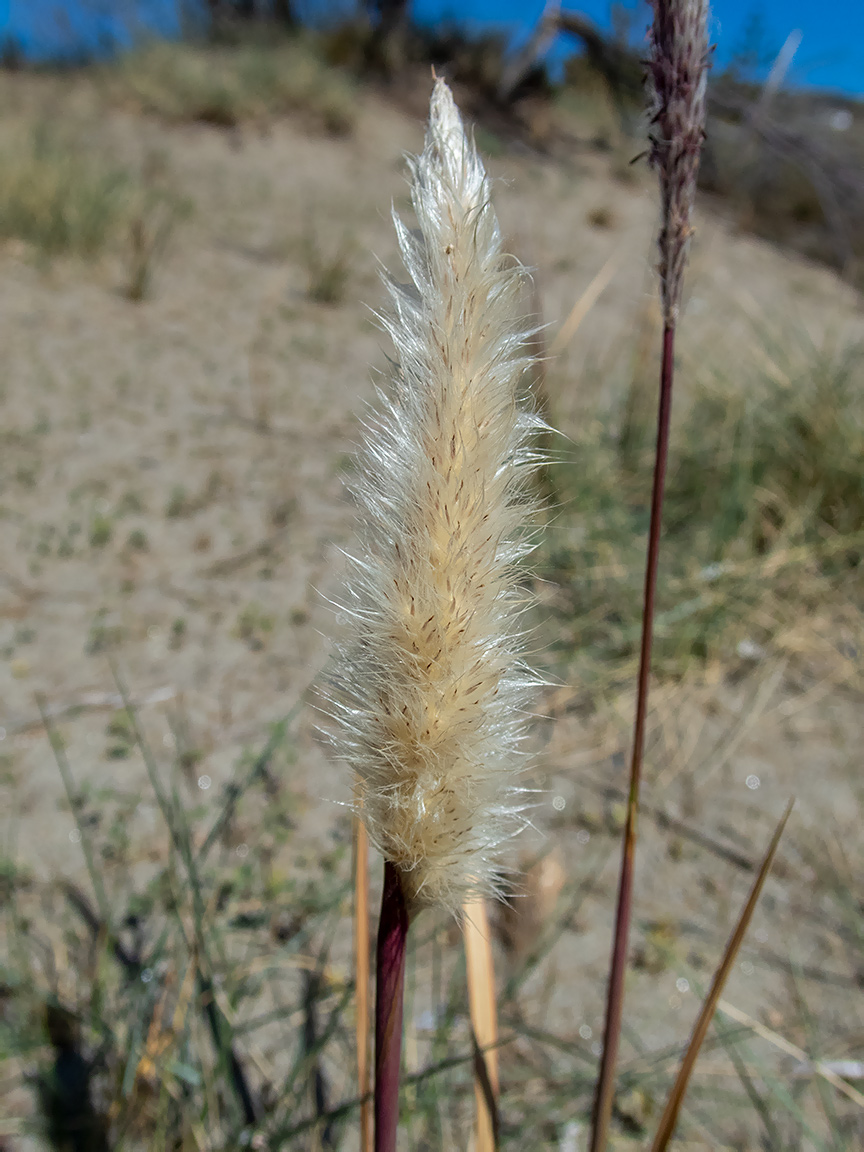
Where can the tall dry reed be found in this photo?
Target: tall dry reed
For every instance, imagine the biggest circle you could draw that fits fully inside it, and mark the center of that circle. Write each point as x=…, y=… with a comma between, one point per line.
x=677, y=70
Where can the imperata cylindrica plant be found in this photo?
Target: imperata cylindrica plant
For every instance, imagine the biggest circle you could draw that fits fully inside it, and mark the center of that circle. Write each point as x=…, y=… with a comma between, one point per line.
x=430, y=689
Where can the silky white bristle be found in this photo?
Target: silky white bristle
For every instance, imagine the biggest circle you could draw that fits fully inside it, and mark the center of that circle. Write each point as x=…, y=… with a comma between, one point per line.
x=429, y=688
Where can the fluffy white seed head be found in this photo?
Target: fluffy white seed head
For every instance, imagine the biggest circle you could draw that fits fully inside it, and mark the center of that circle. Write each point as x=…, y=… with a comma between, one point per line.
x=429, y=688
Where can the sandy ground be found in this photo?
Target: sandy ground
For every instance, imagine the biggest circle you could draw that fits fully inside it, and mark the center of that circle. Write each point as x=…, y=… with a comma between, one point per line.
x=210, y=426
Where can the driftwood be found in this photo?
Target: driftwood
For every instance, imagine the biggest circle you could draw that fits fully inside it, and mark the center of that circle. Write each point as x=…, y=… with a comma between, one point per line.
x=620, y=67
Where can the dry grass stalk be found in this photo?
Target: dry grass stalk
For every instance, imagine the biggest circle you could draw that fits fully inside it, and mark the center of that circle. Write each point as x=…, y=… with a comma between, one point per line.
x=522, y=920
x=429, y=688
x=598, y=285
x=480, y=970
x=678, y=68
x=669, y=1119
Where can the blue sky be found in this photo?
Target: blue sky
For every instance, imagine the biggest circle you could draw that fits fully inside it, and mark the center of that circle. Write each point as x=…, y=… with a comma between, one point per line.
x=51, y=28
x=831, y=54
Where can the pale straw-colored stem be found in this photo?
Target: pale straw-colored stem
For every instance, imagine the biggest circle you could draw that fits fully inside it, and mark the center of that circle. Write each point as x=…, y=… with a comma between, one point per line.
x=480, y=970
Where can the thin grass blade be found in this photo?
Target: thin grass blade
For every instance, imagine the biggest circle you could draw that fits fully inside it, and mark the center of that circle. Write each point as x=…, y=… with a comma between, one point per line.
x=669, y=1119
x=236, y=792
x=819, y=1066
x=72, y=796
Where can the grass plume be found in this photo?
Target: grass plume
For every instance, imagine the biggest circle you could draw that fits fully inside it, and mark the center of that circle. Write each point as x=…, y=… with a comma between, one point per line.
x=678, y=70
x=431, y=690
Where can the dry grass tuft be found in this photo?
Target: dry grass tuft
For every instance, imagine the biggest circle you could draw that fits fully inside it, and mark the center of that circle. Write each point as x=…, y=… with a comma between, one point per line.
x=59, y=197
x=763, y=509
x=327, y=265
x=227, y=86
x=63, y=196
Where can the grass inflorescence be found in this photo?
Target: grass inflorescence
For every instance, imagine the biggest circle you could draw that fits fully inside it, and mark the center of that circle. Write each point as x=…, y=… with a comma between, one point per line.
x=429, y=688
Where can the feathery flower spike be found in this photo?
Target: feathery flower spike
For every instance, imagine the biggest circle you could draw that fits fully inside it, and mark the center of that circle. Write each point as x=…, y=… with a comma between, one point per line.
x=678, y=71
x=430, y=691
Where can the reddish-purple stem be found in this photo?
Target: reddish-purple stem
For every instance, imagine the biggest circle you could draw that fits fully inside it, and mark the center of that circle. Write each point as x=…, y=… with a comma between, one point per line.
x=618, y=967
x=389, y=989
